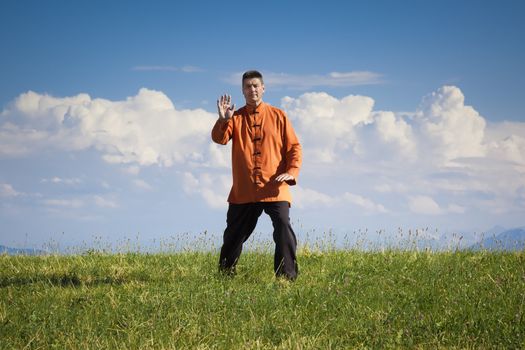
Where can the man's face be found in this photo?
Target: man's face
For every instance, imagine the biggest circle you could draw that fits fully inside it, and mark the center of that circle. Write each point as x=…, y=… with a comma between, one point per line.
x=253, y=90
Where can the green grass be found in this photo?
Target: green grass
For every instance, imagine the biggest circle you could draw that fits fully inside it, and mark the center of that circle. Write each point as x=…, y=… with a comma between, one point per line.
x=342, y=299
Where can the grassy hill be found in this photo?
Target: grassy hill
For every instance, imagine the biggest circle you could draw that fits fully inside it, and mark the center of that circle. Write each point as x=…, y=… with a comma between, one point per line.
x=342, y=299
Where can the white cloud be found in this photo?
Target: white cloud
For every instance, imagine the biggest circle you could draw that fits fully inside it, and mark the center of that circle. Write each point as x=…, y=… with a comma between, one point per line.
x=83, y=202
x=191, y=183
x=391, y=188
x=191, y=69
x=64, y=203
x=65, y=181
x=453, y=129
x=143, y=185
x=396, y=132
x=219, y=155
x=365, y=203
x=142, y=130
x=16, y=142
x=306, y=197
x=7, y=190
x=456, y=209
x=185, y=69
x=105, y=202
x=133, y=170
x=506, y=141
x=308, y=81
x=327, y=125
x=421, y=204
x=157, y=68
x=213, y=188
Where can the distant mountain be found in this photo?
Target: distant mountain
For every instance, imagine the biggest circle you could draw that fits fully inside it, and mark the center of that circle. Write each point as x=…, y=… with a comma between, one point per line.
x=513, y=239
x=20, y=251
x=496, y=230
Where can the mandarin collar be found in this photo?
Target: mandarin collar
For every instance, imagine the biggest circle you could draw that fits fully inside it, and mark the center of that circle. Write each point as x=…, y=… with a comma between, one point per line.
x=259, y=108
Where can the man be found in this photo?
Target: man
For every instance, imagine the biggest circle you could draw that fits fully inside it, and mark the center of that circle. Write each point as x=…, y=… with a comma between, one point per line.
x=266, y=157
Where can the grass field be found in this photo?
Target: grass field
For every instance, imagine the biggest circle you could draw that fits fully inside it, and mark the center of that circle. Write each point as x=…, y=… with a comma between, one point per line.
x=342, y=299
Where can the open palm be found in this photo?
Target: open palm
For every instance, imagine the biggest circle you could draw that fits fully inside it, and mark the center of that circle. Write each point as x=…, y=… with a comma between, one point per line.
x=225, y=107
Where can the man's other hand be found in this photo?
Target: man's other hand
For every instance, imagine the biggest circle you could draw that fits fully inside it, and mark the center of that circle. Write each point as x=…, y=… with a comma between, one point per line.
x=284, y=177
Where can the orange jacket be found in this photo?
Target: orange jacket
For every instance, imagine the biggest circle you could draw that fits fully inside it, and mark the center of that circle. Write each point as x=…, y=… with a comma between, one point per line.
x=264, y=146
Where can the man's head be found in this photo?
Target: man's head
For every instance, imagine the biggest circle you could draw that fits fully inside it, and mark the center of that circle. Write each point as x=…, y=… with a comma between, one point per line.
x=252, y=87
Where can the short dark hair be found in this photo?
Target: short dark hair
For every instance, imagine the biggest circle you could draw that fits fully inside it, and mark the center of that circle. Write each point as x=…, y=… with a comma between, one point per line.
x=252, y=74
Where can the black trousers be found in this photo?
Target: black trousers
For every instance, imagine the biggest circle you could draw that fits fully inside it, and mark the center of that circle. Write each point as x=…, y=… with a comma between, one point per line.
x=240, y=223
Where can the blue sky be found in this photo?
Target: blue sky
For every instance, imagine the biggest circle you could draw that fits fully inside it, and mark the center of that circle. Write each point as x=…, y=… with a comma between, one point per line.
x=410, y=113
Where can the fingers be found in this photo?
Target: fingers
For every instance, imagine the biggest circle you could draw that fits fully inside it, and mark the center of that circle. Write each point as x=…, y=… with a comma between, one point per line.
x=224, y=100
x=284, y=177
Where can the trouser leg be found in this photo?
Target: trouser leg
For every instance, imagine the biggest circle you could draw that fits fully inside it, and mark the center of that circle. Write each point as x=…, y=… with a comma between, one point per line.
x=285, y=262
x=240, y=223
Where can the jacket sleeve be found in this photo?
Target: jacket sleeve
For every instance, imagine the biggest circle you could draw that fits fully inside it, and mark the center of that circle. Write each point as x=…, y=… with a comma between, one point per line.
x=293, y=152
x=222, y=131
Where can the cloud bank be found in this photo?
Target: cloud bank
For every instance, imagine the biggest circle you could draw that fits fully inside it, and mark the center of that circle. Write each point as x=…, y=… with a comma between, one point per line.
x=145, y=129
x=443, y=149
x=443, y=158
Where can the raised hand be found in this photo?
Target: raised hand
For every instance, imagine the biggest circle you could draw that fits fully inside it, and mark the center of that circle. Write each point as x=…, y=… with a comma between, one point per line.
x=225, y=107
